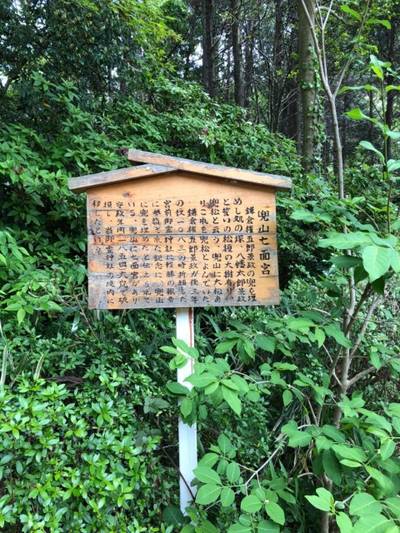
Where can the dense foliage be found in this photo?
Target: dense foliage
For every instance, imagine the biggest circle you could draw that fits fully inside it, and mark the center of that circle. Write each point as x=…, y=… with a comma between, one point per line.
x=297, y=406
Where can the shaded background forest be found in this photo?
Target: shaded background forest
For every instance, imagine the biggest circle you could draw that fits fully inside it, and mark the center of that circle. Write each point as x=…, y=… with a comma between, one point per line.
x=88, y=427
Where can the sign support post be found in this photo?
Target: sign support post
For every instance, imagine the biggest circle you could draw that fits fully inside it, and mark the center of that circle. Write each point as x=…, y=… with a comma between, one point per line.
x=187, y=434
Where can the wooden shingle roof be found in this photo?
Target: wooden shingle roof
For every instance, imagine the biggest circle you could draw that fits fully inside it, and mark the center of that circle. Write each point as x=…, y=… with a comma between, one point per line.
x=163, y=164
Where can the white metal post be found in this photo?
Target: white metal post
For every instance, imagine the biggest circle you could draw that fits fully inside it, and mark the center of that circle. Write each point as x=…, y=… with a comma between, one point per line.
x=187, y=434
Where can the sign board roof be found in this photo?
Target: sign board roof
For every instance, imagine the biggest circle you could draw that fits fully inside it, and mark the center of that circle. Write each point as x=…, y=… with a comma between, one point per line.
x=161, y=164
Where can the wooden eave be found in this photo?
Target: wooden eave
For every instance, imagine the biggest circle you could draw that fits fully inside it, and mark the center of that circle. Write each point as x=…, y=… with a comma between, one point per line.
x=83, y=183
x=208, y=169
x=155, y=164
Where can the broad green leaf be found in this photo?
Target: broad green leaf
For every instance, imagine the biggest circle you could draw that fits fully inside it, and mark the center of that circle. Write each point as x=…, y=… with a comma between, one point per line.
x=202, y=380
x=331, y=466
x=393, y=164
x=369, y=146
x=205, y=474
x=21, y=313
x=224, y=444
x=208, y=494
x=227, y=497
x=250, y=504
x=394, y=505
x=376, y=261
x=233, y=472
x=345, y=241
x=344, y=523
x=265, y=343
x=334, y=331
x=173, y=516
x=240, y=528
x=232, y=399
x=363, y=503
x=177, y=388
x=349, y=463
x=266, y=526
x=323, y=501
x=225, y=346
x=371, y=524
x=349, y=11
x=379, y=22
x=345, y=261
x=385, y=482
x=299, y=439
x=209, y=459
x=348, y=452
x=356, y=114
x=287, y=397
x=387, y=449
x=275, y=512
x=186, y=407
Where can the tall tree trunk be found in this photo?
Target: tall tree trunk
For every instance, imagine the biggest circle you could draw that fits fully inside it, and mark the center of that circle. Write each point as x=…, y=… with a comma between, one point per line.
x=307, y=83
x=236, y=52
x=208, y=15
x=276, y=90
x=248, y=63
x=390, y=80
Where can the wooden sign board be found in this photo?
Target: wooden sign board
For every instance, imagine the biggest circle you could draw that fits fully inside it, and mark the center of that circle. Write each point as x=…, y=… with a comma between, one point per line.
x=181, y=239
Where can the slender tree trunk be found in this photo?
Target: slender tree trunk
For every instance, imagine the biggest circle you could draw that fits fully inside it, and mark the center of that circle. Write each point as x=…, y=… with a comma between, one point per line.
x=307, y=83
x=208, y=15
x=248, y=64
x=390, y=80
x=237, y=52
x=276, y=92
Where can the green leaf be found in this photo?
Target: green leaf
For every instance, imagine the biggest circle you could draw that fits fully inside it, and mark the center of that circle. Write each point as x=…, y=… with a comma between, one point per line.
x=202, y=380
x=186, y=407
x=21, y=315
x=381, y=22
x=364, y=503
x=376, y=261
x=382, y=480
x=345, y=241
x=225, y=346
x=205, y=474
x=369, y=146
x=173, y=516
x=334, y=331
x=345, y=261
x=344, y=523
x=394, y=505
x=350, y=464
x=356, y=114
x=299, y=439
x=233, y=472
x=266, y=526
x=177, y=388
x=209, y=459
x=387, y=449
x=349, y=11
x=225, y=444
x=227, y=497
x=371, y=524
x=324, y=501
x=232, y=399
x=240, y=528
x=331, y=466
x=208, y=494
x=250, y=504
x=319, y=336
x=275, y=512
x=287, y=397
x=265, y=343
x=347, y=452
